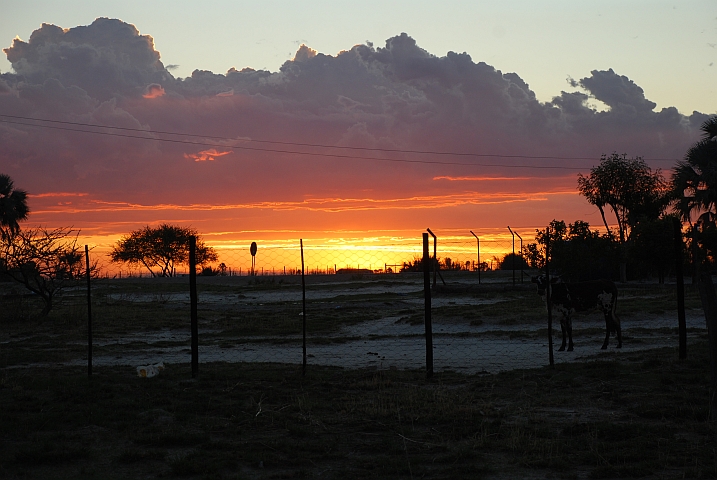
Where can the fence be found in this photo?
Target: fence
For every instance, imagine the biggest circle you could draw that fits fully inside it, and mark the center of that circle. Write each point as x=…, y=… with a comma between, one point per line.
x=353, y=316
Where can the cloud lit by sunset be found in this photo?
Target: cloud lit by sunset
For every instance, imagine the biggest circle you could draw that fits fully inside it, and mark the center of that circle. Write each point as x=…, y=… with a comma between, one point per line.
x=154, y=91
x=480, y=179
x=389, y=138
x=206, y=155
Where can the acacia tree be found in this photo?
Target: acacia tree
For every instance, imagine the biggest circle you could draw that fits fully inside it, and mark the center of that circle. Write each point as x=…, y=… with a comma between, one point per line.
x=632, y=191
x=45, y=261
x=629, y=187
x=161, y=249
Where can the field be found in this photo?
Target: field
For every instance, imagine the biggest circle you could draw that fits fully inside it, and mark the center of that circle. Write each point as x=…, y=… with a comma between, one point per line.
x=364, y=407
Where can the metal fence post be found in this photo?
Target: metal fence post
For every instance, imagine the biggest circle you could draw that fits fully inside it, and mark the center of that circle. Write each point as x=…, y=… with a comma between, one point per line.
x=436, y=265
x=521, y=256
x=303, y=308
x=478, y=246
x=427, y=301
x=709, y=305
x=89, y=313
x=513, y=259
x=435, y=258
x=193, y=304
x=548, y=302
x=681, y=323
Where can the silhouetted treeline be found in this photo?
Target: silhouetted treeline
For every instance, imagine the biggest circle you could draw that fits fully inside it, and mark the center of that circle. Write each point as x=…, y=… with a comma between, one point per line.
x=580, y=253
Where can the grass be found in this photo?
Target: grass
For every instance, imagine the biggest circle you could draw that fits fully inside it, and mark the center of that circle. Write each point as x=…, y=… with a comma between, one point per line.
x=635, y=415
x=644, y=416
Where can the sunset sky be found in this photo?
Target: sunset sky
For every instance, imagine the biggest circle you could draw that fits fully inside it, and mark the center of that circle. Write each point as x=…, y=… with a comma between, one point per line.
x=352, y=125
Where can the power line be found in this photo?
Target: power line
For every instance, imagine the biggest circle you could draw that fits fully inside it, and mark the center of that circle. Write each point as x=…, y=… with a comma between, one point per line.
x=292, y=152
x=315, y=145
x=16, y=121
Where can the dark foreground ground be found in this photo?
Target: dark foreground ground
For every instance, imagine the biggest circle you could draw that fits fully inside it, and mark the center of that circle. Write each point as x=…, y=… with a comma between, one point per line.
x=642, y=416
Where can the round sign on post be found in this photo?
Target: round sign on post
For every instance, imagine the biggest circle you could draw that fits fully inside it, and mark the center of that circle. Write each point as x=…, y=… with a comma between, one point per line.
x=252, y=249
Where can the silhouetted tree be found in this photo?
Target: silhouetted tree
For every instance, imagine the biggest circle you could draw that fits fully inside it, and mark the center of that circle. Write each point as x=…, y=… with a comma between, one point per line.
x=450, y=264
x=13, y=207
x=631, y=189
x=576, y=251
x=46, y=262
x=694, y=191
x=533, y=256
x=512, y=260
x=416, y=265
x=652, y=248
x=161, y=249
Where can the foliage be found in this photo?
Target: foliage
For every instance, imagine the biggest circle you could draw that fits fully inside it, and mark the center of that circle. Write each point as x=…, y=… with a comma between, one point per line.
x=449, y=264
x=220, y=270
x=652, y=248
x=576, y=251
x=416, y=265
x=533, y=256
x=512, y=260
x=13, y=207
x=629, y=187
x=161, y=249
x=694, y=188
x=46, y=262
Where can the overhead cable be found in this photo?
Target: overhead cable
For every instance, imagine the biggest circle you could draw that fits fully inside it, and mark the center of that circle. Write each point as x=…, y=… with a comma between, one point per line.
x=57, y=125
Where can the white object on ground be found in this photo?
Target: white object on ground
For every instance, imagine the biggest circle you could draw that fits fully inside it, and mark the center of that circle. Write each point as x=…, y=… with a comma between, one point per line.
x=149, y=371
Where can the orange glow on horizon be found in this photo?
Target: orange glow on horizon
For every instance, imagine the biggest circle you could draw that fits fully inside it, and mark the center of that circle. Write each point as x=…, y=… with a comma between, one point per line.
x=332, y=205
x=324, y=251
x=337, y=232
x=480, y=179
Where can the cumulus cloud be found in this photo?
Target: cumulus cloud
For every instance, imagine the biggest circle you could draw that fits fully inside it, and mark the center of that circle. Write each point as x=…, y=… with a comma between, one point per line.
x=616, y=91
x=393, y=97
x=4, y=87
x=304, y=53
x=107, y=58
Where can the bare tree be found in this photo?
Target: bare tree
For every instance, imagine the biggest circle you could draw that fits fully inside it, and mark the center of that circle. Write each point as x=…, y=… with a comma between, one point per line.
x=45, y=261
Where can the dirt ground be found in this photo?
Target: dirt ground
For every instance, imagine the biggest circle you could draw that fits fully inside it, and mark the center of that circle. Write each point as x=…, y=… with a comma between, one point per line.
x=351, y=321
x=363, y=408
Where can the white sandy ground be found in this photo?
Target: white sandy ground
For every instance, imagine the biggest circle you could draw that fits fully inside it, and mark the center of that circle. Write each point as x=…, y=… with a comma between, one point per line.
x=467, y=354
x=388, y=342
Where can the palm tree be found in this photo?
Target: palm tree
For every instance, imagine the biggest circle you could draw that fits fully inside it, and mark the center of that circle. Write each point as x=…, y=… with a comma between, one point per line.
x=694, y=192
x=694, y=180
x=13, y=207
